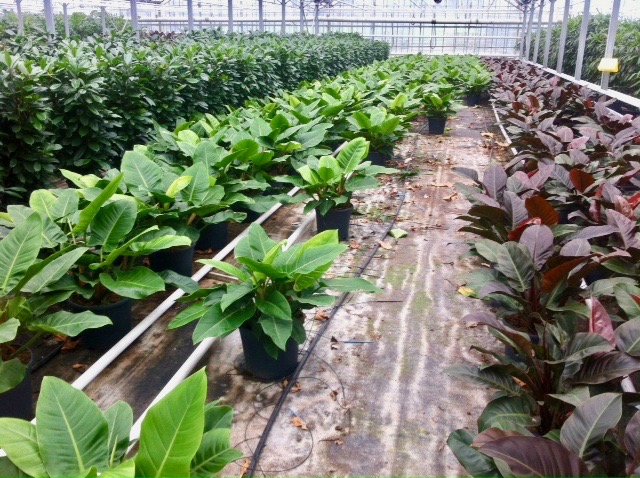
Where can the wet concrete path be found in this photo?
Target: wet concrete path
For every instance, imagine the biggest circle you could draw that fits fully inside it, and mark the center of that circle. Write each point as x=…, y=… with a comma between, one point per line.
x=373, y=397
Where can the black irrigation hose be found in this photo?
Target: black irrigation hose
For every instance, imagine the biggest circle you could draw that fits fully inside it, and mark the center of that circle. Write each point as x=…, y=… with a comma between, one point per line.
x=292, y=380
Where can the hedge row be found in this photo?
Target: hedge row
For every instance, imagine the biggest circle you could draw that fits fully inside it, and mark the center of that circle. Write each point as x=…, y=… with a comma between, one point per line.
x=82, y=104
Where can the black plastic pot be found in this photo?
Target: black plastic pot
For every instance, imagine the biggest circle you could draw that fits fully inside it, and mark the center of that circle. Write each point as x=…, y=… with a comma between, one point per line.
x=176, y=259
x=436, y=125
x=213, y=236
x=251, y=215
x=335, y=219
x=473, y=100
x=378, y=159
x=262, y=365
x=18, y=402
x=106, y=337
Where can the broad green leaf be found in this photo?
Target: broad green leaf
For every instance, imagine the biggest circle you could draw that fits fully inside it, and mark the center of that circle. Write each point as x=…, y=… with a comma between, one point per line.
x=590, y=421
x=12, y=372
x=69, y=323
x=90, y=211
x=583, y=344
x=158, y=244
x=53, y=270
x=311, y=259
x=42, y=200
x=188, y=315
x=178, y=185
x=487, y=249
x=187, y=284
x=353, y=154
x=574, y=397
x=486, y=376
x=112, y=223
x=237, y=293
x=197, y=189
x=278, y=329
x=120, y=419
x=274, y=305
x=508, y=413
x=72, y=432
x=126, y=469
x=65, y=204
x=255, y=245
x=514, y=261
x=172, y=430
x=18, y=250
x=328, y=168
x=215, y=322
x=628, y=337
x=217, y=416
x=214, y=454
x=19, y=441
x=137, y=283
x=141, y=175
x=476, y=464
x=9, y=330
x=226, y=268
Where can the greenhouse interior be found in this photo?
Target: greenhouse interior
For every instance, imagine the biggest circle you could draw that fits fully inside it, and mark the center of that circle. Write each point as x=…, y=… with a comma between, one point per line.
x=319, y=238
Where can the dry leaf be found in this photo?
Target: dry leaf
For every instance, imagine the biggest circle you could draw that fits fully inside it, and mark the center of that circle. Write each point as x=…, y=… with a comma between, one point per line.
x=385, y=245
x=334, y=343
x=339, y=442
x=442, y=185
x=245, y=467
x=450, y=197
x=321, y=316
x=354, y=245
x=488, y=135
x=504, y=145
x=70, y=345
x=297, y=421
x=296, y=387
x=80, y=367
x=334, y=395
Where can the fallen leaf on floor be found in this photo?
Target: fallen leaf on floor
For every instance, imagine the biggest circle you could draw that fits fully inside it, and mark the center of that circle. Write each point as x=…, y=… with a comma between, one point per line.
x=504, y=145
x=70, y=345
x=296, y=387
x=354, y=245
x=441, y=185
x=426, y=196
x=450, y=197
x=80, y=367
x=334, y=395
x=245, y=467
x=297, y=421
x=334, y=343
x=398, y=233
x=385, y=245
x=339, y=442
x=467, y=292
x=59, y=337
x=320, y=316
x=488, y=135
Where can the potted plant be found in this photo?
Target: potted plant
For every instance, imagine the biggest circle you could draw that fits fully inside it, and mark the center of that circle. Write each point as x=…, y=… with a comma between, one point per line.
x=275, y=284
x=181, y=435
x=380, y=128
x=28, y=308
x=331, y=182
x=439, y=102
x=475, y=83
x=109, y=273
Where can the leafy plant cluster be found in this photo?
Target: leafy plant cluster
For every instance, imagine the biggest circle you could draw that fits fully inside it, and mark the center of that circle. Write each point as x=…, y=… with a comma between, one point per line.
x=560, y=246
x=181, y=435
x=81, y=104
x=627, y=80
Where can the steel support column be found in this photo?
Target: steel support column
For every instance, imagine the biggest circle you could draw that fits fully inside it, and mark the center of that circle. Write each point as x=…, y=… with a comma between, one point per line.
x=20, y=17
x=190, y=15
x=65, y=17
x=611, y=40
x=316, y=18
x=283, y=20
x=563, y=35
x=536, y=48
x=48, y=16
x=230, y=16
x=547, y=46
x=523, y=34
x=584, y=29
x=302, y=16
x=261, y=15
x=529, y=28
x=134, y=17
x=103, y=19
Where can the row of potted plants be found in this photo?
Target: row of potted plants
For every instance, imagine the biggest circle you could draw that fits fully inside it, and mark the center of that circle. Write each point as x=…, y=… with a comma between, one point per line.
x=559, y=243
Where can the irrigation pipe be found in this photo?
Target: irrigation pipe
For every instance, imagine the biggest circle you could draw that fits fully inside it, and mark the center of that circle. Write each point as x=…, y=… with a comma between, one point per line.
x=187, y=367
x=292, y=380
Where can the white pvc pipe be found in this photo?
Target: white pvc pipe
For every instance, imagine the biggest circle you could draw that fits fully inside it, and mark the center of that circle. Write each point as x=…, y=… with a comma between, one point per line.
x=113, y=353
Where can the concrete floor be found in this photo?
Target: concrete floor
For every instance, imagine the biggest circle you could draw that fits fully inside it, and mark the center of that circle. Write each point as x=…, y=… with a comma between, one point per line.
x=373, y=396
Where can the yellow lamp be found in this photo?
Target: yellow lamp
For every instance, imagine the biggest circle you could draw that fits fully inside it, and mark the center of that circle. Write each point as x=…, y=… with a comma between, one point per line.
x=609, y=65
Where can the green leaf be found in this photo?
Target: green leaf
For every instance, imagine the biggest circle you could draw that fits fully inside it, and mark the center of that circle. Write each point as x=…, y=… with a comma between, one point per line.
x=308, y=260
x=188, y=315
x=53, y=270
x=628, y=337
x=19, y=441
x=72, y=432
x=119, y=419
x=9, y=330
x=18, y=250
x=172, y=430
x=590, y=421
x=255, y=245
x=217, y=416
x=69, y=323
x=126, y=469
x=574, y=397
x=353, y=154
x=196, y=190
x=215, y=322
x=12, y=372
x=187, y=284
x=275, y=305
x=141, y=175
x=514, y=261
x=486, y=376
x=279, y=329
x=42, y=200
x=90, y=211
x=508, y=413
x=398, y=233
x=178, y=185
x=66, y=204
x=112, y=223
x=214, y=454
x=226, y=268
x=236, y=292
x=137, y=283
x=349, y=284
x=471, y=459
x=158, y=244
